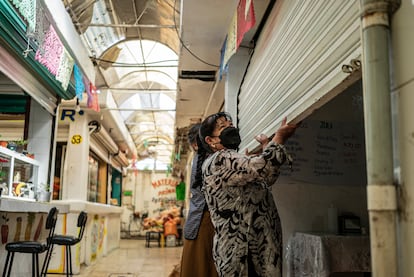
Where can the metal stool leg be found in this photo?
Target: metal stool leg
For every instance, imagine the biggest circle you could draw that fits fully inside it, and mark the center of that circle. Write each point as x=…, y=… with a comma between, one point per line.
x=10, y=264
x=70, y=260
x=6, y=266
x=46, y=262
x=67, y=260
x=37, y=264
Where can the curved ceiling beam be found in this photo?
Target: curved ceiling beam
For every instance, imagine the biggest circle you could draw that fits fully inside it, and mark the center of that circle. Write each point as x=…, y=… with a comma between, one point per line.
x=123, y=97
x=131, y=75
x=152, y=136
x=108, y=56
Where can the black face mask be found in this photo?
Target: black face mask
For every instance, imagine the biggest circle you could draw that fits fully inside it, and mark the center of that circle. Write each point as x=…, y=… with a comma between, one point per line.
x=230, y=138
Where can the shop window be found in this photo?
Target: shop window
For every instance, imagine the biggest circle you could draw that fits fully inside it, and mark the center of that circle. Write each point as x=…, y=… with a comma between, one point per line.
x=93, y=169
x=57, y=180
x=97, y=179
x=97, y=176
x=116, y=187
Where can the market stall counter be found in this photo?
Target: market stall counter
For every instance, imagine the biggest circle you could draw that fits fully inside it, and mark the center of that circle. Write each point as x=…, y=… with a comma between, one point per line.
x=25, y=220
x=102, y=234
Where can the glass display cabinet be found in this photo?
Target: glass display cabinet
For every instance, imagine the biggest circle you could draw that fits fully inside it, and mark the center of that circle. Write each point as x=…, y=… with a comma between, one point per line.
x=18, y=175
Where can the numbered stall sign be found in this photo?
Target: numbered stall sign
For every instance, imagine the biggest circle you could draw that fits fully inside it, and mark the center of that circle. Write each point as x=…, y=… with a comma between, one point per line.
x=76, y=139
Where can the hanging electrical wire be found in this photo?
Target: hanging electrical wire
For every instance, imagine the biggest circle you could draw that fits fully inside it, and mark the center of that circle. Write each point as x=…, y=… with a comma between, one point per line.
x=186, y=48
x=136, y=64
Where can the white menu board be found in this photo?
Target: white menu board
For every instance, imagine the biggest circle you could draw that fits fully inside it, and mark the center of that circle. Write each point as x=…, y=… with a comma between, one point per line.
x=326, y=152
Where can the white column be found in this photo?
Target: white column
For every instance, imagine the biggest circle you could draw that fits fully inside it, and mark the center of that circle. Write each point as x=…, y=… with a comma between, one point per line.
x=402, y=56
x=75, y=178
x=39, y=137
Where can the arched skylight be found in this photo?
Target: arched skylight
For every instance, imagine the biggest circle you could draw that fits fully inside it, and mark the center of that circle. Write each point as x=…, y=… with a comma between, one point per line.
x=143, y=79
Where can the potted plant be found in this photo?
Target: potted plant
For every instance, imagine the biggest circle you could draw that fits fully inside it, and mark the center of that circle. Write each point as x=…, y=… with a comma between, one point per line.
x=43, y=193
x=20, y=143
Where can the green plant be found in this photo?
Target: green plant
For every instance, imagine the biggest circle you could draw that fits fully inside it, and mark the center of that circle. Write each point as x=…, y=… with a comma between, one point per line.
x=21, y=141
x=44, y=187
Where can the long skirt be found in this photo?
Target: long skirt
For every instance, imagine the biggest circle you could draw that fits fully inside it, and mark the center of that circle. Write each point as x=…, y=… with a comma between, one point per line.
x=197, y=257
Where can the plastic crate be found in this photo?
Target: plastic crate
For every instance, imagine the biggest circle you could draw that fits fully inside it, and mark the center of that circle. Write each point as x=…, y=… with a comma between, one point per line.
x=170, y=241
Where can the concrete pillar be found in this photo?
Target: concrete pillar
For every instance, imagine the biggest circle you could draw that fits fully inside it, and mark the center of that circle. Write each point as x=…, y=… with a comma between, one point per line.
x=75, y=178
x=402, y=37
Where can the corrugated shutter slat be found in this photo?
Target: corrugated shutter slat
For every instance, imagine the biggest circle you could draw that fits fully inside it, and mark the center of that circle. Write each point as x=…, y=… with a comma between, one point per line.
x=297, y=60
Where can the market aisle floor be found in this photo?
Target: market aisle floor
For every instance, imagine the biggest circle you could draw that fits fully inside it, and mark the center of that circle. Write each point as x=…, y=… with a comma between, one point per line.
x=133, y=259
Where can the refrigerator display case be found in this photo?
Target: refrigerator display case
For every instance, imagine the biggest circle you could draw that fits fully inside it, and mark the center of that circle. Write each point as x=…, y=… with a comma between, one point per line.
x=18, y=175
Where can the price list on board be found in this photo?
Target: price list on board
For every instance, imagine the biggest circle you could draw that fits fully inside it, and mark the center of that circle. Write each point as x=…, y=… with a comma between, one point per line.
x=326, y=152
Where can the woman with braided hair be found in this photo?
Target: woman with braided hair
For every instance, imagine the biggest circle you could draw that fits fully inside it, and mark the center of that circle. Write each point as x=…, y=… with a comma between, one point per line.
x=197, y=258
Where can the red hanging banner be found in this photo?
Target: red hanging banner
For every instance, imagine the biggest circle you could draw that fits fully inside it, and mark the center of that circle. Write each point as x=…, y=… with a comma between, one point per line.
x=245, y=19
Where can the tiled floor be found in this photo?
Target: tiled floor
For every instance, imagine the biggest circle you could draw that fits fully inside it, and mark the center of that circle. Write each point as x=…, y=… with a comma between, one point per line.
x=133, y=259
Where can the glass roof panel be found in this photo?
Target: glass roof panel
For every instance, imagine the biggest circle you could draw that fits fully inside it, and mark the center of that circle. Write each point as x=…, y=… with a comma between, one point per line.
x=141, y=80
x=150, y=164
x=146, y=56
x=146, y=96
x=99, y=39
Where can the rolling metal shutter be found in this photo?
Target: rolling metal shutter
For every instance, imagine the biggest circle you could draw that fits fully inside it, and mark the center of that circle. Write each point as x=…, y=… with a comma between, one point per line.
x=297, y=61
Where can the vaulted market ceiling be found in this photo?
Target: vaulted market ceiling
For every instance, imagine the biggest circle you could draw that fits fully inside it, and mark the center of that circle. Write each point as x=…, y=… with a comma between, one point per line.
x=160, y=60
x=134, y=45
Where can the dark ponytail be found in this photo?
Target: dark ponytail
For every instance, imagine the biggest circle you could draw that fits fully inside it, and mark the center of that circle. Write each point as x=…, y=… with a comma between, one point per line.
x=202, y=155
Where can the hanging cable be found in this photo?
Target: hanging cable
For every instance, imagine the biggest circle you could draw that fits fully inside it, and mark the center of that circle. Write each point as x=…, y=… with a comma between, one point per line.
x=185, y=47
x=134, y=64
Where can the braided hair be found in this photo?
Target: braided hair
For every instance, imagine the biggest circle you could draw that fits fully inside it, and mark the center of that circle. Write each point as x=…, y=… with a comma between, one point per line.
x=193, y=134
x=202, y=155
x=193, y=137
